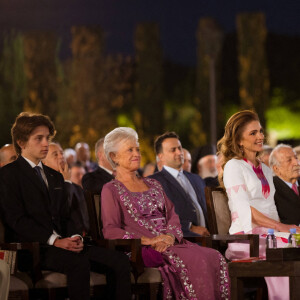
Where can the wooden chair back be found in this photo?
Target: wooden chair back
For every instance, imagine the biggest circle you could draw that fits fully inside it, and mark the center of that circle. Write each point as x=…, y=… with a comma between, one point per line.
x=93, y=202
x=218, y=213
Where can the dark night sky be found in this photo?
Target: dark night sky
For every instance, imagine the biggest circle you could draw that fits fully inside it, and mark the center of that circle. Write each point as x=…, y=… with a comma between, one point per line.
x=177, y=19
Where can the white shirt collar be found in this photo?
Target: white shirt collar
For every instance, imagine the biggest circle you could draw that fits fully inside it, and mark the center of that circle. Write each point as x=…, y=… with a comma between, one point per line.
x=32, y=164
x=172, y=171
x=107, y=170
x=289, y=183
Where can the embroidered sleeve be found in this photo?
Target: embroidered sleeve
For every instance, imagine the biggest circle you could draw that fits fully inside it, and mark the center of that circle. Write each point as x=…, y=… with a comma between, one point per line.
x=239, y=201
x=111, y=216
x=128, y=236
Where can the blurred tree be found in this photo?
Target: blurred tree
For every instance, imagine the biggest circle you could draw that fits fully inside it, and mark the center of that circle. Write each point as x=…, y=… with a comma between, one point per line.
x=40, y=53
x=210, y=40
x=253, y=71
x=94, y=88
x=12, y=83
x=148, y=91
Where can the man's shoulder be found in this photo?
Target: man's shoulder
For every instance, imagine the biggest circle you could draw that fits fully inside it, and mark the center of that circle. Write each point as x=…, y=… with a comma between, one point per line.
x=195, y=177
x=156, y=175
x=278, y=181
x=12, y=168
x=98, y=173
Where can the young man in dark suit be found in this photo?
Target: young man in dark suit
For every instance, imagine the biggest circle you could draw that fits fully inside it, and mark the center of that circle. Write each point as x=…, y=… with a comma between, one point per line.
x=184, y=189
x=286, y=166
x=34, y=207
x=94, y=181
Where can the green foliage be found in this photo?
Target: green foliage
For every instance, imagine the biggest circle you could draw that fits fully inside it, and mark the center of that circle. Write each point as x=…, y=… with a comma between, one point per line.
x=282, y=120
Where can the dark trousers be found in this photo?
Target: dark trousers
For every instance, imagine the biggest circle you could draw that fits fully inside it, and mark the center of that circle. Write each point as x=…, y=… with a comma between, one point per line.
x=77, y=266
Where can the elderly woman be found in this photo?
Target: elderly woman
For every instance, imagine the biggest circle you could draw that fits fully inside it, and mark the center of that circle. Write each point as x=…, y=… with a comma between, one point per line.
x=250, y=189
x=134, y=207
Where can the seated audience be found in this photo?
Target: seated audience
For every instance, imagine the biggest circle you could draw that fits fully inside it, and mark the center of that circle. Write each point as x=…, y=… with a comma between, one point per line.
x=34, y=207
x=7, y=155
x=55, y=160
x=83, y=157
x=77, y=172
x=134, y=207
x=250, y=190
x=70, y=156
x=187, y=160
x=265, y=154
x=94, y=181
x=205, y=164
x=184, y=189
x=286, y=167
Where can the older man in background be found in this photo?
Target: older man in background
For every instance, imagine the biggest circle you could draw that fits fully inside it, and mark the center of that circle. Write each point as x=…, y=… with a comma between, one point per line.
x=286, y=166
x=94, y=181
x=205, y=164
x=83, y=157
x=7, y=155
x=55, y=159
x=187, y=160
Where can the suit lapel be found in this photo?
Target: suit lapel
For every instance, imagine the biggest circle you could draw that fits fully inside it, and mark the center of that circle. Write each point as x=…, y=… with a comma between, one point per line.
x=51, y=184
x=30, y=173
x=287, y=191
x=174, y=182
x=198, y=195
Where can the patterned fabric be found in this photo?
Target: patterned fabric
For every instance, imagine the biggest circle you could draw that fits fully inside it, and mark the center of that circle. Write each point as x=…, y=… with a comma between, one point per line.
x=244, y=190
x=237, y=174
x=188, y=270
x=260, y=175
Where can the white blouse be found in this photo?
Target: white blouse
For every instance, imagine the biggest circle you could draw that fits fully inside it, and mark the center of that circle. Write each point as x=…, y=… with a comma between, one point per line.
x=244, y=189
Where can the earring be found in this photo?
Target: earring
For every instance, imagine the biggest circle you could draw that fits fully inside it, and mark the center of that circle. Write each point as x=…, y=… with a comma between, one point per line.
x=242, y=149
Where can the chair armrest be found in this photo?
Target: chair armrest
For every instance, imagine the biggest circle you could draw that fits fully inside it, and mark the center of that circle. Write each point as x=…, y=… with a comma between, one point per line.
x=34, y=262
x=205, y=241
x=134, y=247
x=252, y=238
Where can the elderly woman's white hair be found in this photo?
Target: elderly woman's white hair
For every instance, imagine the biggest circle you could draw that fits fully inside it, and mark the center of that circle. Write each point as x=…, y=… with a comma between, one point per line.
x=115, y=138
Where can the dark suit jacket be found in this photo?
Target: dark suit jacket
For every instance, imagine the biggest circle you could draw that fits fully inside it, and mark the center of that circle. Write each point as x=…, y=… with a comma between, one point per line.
x=94, y=181
x=30, y=211
x=287, y=202
x=184, y=206
x=77, y=205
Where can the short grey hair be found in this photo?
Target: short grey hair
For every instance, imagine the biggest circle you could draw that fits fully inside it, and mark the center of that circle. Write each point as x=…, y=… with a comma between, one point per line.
x=98, y=146
x=273, y=161
x=115, y=138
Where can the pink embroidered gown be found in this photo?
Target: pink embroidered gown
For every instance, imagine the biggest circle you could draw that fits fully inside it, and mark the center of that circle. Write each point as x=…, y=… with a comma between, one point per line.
x=248, y=186
x=188, y=270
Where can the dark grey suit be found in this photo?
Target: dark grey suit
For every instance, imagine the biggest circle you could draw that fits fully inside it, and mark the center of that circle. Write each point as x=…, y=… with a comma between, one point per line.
x=183, y=203
x=287, y=202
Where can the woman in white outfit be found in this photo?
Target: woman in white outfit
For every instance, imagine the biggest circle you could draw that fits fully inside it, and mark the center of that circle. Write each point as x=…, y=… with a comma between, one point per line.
x=250, y=189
